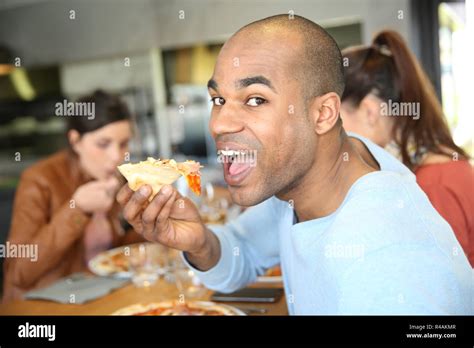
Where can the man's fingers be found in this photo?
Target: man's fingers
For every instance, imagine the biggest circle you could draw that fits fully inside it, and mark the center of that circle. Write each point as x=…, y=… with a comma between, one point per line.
x=151, y=212
x=165, y=212
x=135, y=205
x=178, y=195
x=155, y=207
x=124, y=194
x=162, y=221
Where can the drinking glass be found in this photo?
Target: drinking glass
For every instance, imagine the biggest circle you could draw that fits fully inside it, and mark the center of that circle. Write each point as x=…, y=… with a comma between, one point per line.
x=147, y=262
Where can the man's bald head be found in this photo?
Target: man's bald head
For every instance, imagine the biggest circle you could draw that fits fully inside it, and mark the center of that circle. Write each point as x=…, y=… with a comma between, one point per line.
x=319, y=62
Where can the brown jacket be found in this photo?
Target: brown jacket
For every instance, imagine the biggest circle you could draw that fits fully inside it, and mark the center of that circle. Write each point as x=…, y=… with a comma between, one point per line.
x=42, y=216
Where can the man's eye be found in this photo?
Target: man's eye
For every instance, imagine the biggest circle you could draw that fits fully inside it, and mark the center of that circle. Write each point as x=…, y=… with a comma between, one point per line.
x=256, y=101
x=218, y=101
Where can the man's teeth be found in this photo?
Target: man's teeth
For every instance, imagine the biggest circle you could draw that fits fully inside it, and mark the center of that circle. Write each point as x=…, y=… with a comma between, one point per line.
x=230, y=153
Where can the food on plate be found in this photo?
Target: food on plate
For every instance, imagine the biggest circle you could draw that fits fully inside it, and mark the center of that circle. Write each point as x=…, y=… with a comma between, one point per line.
x=156, y=173
x=116, y=262
x=178, y=308
x=112, y=262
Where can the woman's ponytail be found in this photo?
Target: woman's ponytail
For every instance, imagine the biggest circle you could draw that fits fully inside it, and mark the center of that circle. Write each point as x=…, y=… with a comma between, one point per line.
x=390, y=69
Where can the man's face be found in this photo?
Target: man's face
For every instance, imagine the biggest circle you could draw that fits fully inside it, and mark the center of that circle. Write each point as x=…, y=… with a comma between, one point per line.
x=259, y=122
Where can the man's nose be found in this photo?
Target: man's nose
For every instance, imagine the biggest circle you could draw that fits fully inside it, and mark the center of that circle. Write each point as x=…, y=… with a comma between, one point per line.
x=225, y=121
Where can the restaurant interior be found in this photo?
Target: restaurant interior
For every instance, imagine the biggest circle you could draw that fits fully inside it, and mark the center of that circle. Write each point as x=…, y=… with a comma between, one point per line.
x=157, y=56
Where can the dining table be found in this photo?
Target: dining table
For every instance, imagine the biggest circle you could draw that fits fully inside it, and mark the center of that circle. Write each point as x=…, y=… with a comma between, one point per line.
x=162, y=290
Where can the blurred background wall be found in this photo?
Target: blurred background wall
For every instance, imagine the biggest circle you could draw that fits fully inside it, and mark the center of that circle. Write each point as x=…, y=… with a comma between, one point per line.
x=41, y=31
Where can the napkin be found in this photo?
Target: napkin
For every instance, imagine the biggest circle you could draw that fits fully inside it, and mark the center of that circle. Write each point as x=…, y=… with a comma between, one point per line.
x=77, y=288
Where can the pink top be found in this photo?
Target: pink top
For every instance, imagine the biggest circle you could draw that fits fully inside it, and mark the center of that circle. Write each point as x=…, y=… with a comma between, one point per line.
x=98, y=235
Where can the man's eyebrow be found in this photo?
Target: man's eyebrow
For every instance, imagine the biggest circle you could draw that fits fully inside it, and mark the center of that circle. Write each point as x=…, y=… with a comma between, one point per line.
x=242, y=83
x=212, y=84
x=261, y=80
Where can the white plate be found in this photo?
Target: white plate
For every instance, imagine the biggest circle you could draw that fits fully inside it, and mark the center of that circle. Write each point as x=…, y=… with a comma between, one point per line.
x=95, y=264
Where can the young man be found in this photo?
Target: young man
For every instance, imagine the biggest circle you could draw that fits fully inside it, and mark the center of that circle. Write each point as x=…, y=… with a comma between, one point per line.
x=353, y=232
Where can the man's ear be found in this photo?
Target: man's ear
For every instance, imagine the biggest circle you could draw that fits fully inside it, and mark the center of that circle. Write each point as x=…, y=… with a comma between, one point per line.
x=325, y=112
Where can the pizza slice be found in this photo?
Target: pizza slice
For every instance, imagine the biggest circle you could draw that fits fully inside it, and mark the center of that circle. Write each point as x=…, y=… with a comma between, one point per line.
x=156, y=173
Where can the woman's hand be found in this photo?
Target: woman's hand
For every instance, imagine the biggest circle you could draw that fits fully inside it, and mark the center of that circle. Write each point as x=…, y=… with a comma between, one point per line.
x=96, y=196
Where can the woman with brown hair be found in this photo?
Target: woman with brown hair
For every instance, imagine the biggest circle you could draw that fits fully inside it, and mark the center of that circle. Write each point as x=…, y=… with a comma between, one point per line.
x=389, y=99
x=65, y=204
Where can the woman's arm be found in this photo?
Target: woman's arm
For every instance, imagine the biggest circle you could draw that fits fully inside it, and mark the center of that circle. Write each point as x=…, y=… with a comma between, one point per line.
x=52, y=234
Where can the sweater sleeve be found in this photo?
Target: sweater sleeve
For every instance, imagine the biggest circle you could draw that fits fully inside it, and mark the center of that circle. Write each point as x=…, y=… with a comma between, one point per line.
x=249, y=245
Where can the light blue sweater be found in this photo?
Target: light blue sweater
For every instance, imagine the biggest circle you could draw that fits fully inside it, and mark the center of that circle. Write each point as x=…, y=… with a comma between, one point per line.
x=385, y=250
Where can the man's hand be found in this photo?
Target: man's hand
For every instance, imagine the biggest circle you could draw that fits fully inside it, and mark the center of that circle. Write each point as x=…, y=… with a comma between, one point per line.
x=171, y=220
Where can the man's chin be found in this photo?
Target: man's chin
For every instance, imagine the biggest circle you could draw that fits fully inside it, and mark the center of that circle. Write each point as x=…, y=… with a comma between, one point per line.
x=246, y=196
